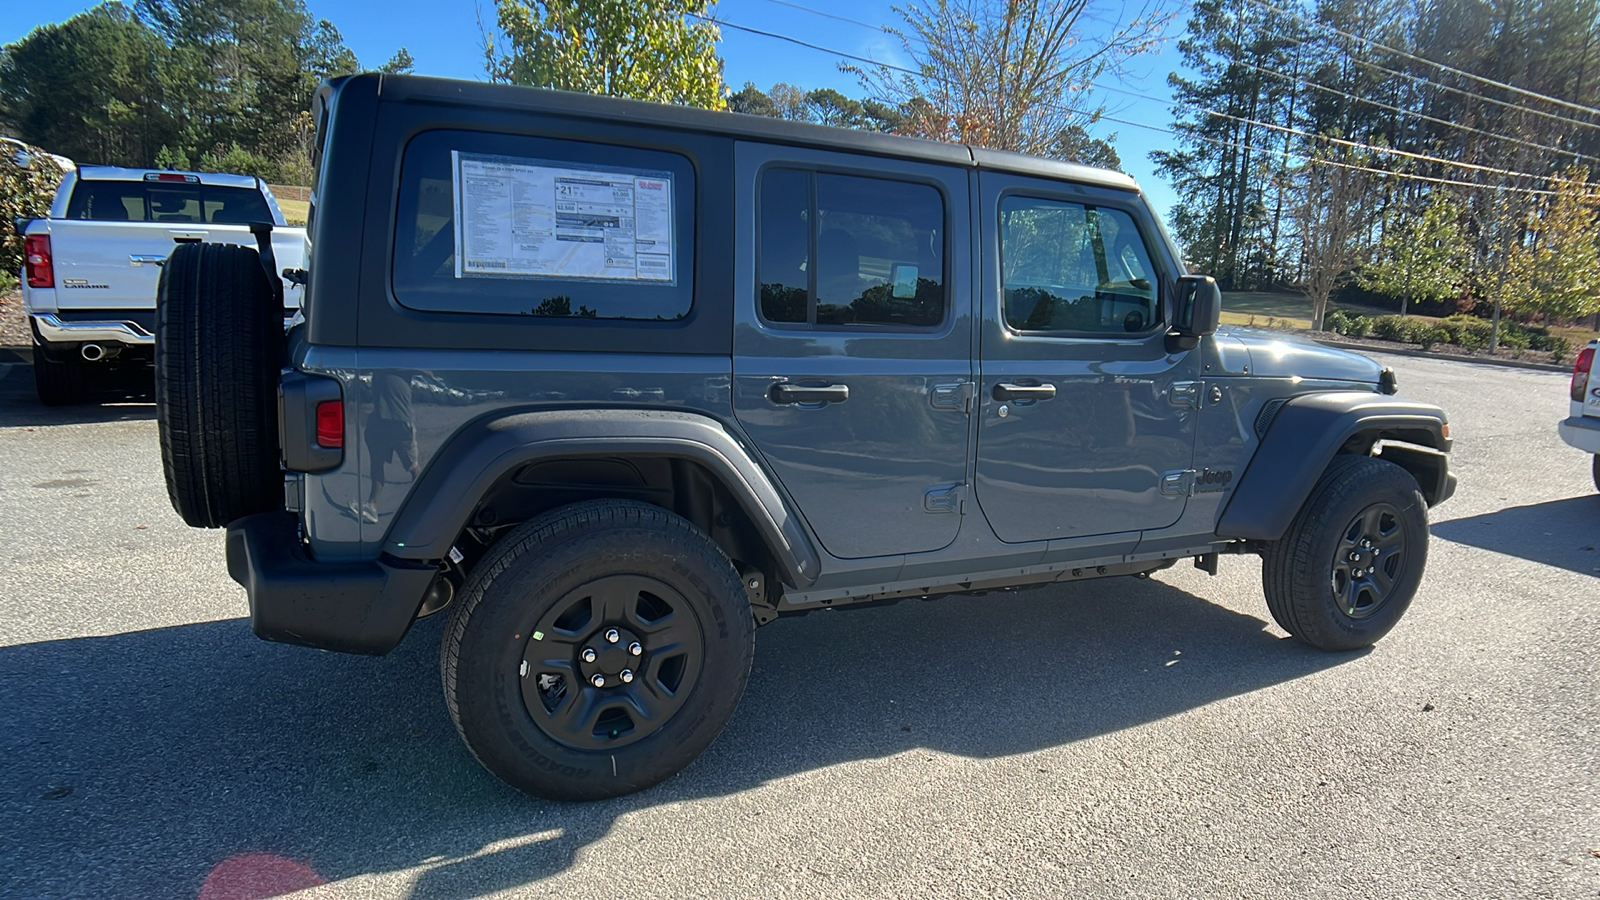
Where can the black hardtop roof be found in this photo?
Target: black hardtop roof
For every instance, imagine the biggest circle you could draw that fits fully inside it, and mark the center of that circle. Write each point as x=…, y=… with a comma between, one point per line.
x=423, y=89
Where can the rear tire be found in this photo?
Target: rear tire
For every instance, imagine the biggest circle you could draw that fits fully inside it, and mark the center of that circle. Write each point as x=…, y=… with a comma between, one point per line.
x=656, y=603
x=62, y=383
x=219, y=348
x=1346, y=569
x=1595, y=471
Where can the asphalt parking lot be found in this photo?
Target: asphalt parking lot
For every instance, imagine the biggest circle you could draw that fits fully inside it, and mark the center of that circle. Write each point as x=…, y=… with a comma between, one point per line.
x=1118, y=738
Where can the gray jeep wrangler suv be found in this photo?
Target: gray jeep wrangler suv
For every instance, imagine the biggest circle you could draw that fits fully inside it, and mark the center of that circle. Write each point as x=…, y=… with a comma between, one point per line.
x=614, y=383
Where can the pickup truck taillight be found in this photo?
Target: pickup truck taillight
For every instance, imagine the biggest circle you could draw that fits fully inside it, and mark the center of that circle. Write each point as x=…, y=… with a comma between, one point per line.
x=1580, y=373
x=36, y=250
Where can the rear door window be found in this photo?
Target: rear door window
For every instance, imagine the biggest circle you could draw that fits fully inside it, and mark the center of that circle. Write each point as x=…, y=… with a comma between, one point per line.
x=843, y=251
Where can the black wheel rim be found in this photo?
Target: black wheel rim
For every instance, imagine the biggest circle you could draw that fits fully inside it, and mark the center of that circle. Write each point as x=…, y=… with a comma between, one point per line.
x=1369, y=560
x=611, y=662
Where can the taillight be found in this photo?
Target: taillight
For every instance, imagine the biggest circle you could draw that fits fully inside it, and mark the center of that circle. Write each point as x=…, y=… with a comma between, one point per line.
x=330, y=423
x=41, y=272
x=1580, y=373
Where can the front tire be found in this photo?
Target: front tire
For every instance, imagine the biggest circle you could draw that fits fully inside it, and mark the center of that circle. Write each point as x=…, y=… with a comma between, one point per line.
x=1349, y=564
x=597, y=650
x=1595, y=471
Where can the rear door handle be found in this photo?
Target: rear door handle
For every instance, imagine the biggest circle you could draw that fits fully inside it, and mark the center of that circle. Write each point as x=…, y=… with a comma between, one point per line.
x=1006, y=390
x=784, y=392
x=139, y=259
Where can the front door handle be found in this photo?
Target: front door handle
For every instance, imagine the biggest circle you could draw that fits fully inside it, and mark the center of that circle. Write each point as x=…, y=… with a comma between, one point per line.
x=785, y=392
x=1006, y=390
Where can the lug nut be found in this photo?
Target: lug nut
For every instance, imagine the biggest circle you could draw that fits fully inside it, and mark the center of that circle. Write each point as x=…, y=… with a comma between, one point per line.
x=598, y=680
x=627, y=676
x=588, y=654
x=612, y=636
x=634, y=649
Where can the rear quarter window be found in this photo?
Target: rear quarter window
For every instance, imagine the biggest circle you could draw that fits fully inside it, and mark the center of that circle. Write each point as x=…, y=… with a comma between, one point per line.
x=524, y=226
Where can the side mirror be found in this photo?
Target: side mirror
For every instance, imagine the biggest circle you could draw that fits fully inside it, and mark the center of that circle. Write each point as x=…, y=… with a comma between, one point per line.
x=1198, y=310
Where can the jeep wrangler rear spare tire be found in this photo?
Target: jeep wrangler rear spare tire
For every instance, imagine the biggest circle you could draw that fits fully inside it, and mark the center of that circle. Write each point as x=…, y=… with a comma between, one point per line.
x=1346, y=569
x=219, y=349
x=597, y=650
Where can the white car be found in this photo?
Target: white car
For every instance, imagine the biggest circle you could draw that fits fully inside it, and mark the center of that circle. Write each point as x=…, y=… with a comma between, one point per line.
x=1582, y=428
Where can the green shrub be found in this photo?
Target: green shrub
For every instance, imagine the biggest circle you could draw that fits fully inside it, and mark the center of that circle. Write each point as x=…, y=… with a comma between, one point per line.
x=1514, y=340
x=25, y=192
x=1358, y=326
x=1336, y=322
x=1432, y=335
x=1404, y=329
x=1560, y=349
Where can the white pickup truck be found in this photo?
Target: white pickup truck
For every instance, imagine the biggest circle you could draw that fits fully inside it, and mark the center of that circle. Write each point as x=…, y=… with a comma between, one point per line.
x=1581, y=429
x=89, y=282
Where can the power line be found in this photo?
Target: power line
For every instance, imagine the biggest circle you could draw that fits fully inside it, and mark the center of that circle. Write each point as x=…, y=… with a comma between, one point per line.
x=1391, y=151
x=784, y=37
x=1293, y=79
x=1577, y=107
x=1234, y=144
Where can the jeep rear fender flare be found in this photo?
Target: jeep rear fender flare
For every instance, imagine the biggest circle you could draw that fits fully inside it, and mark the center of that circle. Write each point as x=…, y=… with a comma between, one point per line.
x=1304, y=437
x=483, y=452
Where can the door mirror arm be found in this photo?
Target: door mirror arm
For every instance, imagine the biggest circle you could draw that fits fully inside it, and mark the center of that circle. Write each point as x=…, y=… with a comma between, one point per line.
x=1197, y=311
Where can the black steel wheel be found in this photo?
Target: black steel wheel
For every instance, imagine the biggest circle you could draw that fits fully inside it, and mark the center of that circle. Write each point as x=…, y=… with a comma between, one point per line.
x=612, y=660
x=1345, y=571
x=1370, y=557
x=597, y=650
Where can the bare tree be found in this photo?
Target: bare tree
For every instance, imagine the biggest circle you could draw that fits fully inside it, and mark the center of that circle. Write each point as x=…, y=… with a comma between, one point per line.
x=1334, y=210
x=1009, y=74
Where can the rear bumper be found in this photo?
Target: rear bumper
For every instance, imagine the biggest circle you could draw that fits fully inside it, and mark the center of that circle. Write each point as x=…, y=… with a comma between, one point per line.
x=1582, y=432
x=364, y=607
x=52, y=329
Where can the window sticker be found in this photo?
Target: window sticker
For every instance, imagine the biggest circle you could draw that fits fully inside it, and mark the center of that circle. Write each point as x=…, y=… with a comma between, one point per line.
x=532, y=218
x=905, y=281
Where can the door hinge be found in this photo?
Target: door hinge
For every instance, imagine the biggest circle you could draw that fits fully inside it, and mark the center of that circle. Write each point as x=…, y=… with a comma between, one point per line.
x=1178, y=482
x=944, y=498
x=956, y=396
x=1186, y=394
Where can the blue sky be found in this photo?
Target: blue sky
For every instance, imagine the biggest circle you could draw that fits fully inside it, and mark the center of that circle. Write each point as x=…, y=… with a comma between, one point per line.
x=443, y=36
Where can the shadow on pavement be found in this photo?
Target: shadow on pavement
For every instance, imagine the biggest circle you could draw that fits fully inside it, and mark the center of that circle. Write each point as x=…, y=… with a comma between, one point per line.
x=1558, y=533
x=123, y=396
x=142, y=760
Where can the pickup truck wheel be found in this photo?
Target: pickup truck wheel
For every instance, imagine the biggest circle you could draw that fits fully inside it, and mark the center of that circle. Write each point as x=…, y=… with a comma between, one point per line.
x=1594, y=470
x=219, y=348
x=58, y=383
x=1346, y=570
x=597, y=650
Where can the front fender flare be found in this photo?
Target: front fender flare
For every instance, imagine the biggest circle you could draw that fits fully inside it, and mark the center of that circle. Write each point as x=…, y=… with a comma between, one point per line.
x=484, y=451
x=1302, y=440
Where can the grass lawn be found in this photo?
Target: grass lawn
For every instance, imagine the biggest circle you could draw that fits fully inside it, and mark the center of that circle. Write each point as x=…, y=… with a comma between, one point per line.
x=1293, y=310
x=294, y=211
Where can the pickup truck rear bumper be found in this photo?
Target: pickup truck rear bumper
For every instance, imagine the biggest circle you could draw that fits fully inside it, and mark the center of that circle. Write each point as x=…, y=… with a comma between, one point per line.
x=52, y=329
x=1582, y=432
x=361, y=607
